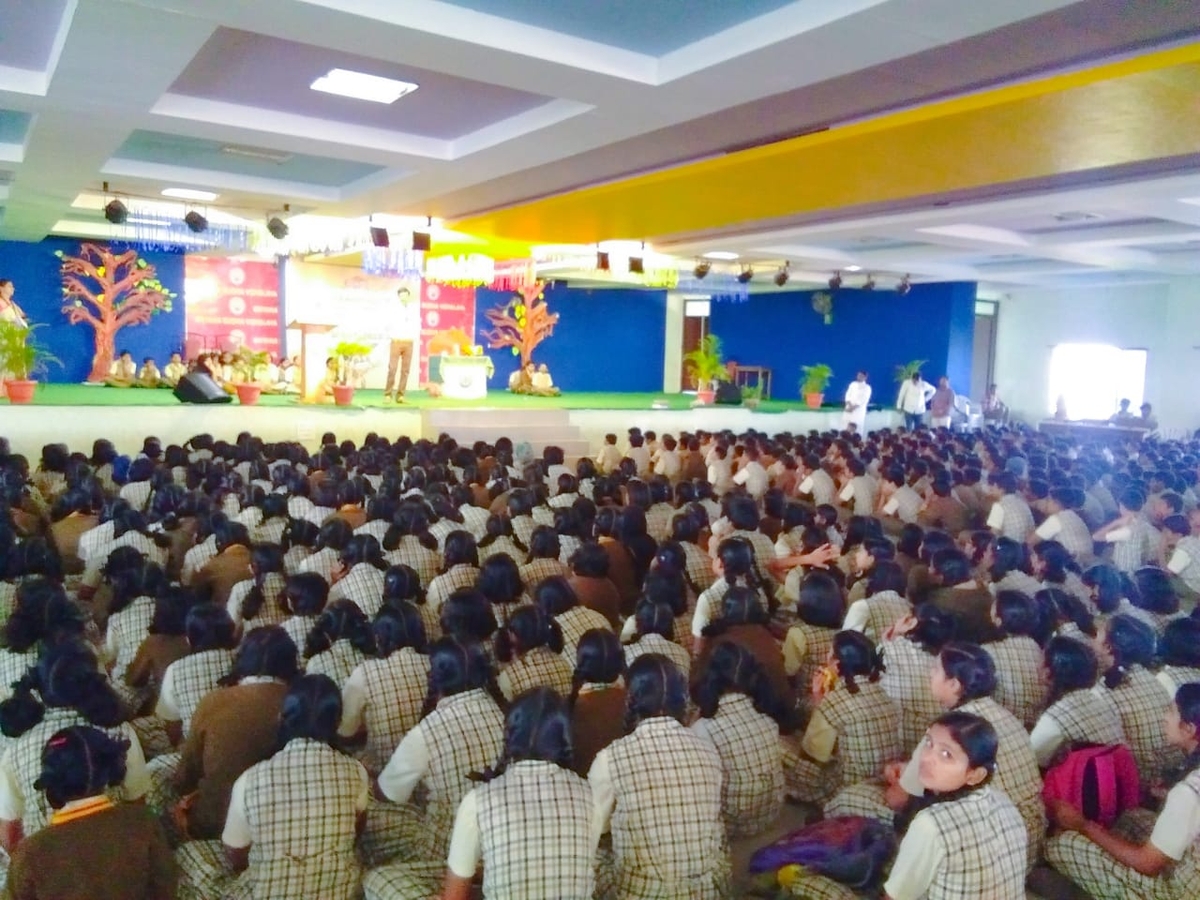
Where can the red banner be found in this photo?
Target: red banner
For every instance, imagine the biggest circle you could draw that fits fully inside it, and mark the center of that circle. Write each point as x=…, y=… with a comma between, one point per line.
x=230, y=303
x=445, y=308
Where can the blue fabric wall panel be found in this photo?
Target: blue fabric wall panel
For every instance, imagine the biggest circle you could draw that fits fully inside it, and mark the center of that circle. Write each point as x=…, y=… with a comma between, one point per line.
x=34, y=270
x=875, y=330
x=605, y=339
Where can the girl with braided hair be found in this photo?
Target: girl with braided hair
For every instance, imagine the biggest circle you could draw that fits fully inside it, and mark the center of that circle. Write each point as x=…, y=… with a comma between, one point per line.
x=93, y=847
x=658, y=790
x=532, y=644
x=597, y=700
x=530, y=821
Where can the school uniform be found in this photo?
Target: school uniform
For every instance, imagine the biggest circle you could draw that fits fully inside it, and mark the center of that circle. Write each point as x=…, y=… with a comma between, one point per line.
x=658, y=521
x=758, y=641
x=463, y=734
x=597, y=719
x=764, y=551
x=1172, y=678
x=859, y=491
x=656, y=643
x=411, y=552
x=522, y=528
x=1142, y=706
x=297, y=812
x=532, y=829
x=363, y=584
x=1077, y=717
x=538, y=570
x=1018, y=581
x=1071, y=531
x=269, y=613
x=187, y=681
x=1133, y=545
x=442, y=586
x=805, y=649
x=539, y=667
x=153, y=658
x=1011, y=517
x=66, y=534
x=751, y=763
x=1185, y=562
x=234, y=728
x=598, y=594
x=1019, y=686
x=575, y=623
x=385, y=696
x=1175, y=833
x=95, y=851
x=905, y=504
x=13, y=667
x=194, y=560
x=658, y=790
x=621, y=573
x=863, y=728
x=337, y=662
x=321, y=562
x=876, y=614
x=968, y=848
x=223, y=571
x=503, y=544
x=710, y=603
x=21, y=766
x=906, y=680
x=124, y=634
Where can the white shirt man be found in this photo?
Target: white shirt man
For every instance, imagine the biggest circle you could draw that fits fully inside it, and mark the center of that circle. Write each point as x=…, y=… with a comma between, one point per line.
x=914, y=395
x=754, y=477
x=858, y=395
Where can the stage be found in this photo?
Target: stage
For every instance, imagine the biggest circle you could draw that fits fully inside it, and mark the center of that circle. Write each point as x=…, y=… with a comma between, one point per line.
x=79, y=414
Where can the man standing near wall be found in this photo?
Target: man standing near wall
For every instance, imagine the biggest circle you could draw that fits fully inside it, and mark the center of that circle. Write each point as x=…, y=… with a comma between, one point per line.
x=858, y=395
x=941, y=407
x=914, y=394
x=405, y=326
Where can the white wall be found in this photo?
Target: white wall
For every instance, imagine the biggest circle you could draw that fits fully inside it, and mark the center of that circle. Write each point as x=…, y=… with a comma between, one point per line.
x=1163, y=319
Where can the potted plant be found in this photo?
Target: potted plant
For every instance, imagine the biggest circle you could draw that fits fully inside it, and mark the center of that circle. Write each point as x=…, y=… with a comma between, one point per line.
x=349, y=354
x=706, y=367
x=752, y=395
x=251, y=366
x=909, y=369
x=814, y=380
x=20, y=359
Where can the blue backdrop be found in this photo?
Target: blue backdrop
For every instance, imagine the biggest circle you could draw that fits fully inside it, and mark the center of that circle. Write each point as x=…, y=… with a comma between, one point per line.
x=872, y=330
x=34, y=270
x=605, y=340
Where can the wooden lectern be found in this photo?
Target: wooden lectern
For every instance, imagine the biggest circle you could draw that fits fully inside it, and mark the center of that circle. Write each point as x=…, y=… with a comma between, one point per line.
x=305, y=329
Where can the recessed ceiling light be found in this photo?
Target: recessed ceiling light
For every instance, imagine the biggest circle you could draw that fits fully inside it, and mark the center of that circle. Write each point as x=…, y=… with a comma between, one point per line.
x=189, y=194
x=720, y=254
x=274, y=156
x=1077, y=216
x=361, y=86
x=853, y=268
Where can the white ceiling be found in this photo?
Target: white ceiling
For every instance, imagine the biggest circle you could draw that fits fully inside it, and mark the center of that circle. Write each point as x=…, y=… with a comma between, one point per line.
x=145, y=94
x=1133, y=232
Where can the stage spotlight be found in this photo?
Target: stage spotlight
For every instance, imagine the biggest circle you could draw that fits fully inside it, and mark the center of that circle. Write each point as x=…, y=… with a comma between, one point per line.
x=380, y=237
x=745, y=275
x=702, y=268
x=637, y=265
x=277, y=228
x=904, y=286
x=196, y=222
x=869, y=284
x=835, y=281
x=782, y=276
x=422, y=240
x=602, y=260
x=116, y=212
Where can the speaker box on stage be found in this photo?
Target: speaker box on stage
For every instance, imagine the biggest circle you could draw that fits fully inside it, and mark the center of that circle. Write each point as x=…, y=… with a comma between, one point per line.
x=728, y=393
x=196, y=387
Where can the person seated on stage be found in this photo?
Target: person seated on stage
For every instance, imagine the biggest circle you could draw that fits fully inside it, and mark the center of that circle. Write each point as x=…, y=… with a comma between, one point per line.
x=123, y=372
x=173, y=371
x=270, y=375
x=228, y=372
x=521, y=381
x=148, y=375
x=287, y=376
x=543, y=384
x=324, y=390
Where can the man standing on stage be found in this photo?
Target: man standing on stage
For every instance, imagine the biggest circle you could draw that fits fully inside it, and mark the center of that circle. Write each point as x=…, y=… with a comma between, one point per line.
x=405, y=326
x=858, y=395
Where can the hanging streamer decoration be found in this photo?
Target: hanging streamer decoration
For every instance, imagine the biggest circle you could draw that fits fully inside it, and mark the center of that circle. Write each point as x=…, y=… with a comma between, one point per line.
x=513, y=274
x=720, y=286
x=475, y=270
x=151, y=229
x=393, y=261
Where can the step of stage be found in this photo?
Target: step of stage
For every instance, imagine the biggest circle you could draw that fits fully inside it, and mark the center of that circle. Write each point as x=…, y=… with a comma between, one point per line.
x=541, y=428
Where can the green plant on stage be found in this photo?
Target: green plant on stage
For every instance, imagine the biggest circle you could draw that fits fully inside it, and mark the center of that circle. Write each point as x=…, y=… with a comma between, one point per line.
x=814, y=379
x=909, y=369
x=752, y=394
x=251, y=365
x=705, y=363
x=348, y=354
x=21, y=358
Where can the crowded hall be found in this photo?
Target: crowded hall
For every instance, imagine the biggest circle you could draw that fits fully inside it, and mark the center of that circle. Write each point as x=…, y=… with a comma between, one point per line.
x=674, y=450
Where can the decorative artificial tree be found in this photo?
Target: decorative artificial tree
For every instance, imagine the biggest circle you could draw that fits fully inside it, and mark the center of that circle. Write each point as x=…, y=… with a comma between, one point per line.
x=522, y=323
x=109, y=291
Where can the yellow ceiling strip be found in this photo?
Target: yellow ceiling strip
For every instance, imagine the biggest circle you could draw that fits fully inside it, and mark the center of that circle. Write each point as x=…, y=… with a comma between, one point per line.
x=1135, y=110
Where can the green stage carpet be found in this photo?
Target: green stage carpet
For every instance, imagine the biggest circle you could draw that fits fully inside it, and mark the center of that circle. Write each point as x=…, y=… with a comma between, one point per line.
x=85, y=395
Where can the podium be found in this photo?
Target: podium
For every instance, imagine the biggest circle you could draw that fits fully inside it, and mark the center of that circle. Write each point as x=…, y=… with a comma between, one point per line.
x=305, y=329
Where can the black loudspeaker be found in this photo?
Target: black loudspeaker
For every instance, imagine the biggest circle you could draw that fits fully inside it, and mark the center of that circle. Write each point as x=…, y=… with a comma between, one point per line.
x=380, y=237
x=422, y=240
x=728, y=393
x=196, y=387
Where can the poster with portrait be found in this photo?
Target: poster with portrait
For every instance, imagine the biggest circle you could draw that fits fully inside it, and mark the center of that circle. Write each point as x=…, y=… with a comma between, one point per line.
x=446, y=310
x=231, y=303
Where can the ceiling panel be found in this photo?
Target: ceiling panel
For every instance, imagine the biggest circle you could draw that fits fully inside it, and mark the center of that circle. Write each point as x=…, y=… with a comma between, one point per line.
x=195, y=153
x=13, y=126
x=27, y=32
x=655, y=27
x=270, y=73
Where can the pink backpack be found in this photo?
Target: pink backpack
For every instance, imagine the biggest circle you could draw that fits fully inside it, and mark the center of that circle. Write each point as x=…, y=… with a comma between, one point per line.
x=1099, y=781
